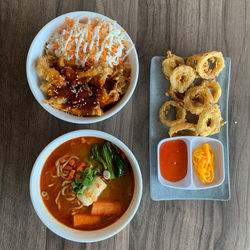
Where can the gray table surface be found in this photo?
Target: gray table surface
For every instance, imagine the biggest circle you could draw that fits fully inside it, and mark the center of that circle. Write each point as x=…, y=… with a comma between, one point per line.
x=185, y=27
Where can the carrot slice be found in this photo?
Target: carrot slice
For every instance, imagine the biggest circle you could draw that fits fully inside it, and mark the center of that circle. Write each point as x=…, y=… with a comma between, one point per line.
x=69, y=21
x=71, y=175
x=125, y=44
x=106, y=208
x=85, y=220
x=72, y=162
x=104, y=55
x=80, y=167
x=55, y=46
x=89, y=34
x=67, y=168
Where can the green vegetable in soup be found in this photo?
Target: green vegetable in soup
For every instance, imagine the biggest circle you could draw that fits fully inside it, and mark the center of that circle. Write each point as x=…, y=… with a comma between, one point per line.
x=116, y=149
x=92, y=157
x=119, y=165
x=118, y=162
x=96, y=164
x=79, y=185
x=108, y=156
x=98, y=154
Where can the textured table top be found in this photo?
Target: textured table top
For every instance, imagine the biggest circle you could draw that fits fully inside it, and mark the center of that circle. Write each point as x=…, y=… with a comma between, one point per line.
x=185, y=27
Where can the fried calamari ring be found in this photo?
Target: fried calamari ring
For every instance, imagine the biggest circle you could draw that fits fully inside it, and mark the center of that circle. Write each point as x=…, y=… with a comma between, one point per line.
x=204, y=62
x=213, y=84
x=192, y=62
x=175, y=95
x=170, y=63
x=180, y=129
x=180, y=113
x=197, y=98
x=182, y=78
x=210, y=121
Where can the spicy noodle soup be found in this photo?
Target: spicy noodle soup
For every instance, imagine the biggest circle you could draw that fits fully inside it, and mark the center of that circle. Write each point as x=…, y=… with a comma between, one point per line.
x=87, y=183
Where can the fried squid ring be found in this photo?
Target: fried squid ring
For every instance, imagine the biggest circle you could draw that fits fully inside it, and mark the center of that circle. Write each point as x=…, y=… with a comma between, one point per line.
x=180, y=129
x=180, y=113
x=175, y=95
x=197, y=98
x=182, y=78
x=210, y=121
x=170, y=63
x=205, y=61
x=192, y=62
x=213, y=84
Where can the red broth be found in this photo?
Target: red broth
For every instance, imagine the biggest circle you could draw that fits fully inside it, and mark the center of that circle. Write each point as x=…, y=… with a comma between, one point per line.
x=119, y=190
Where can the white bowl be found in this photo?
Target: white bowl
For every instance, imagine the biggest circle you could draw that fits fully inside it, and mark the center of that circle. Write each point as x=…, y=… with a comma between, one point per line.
x=191, y=181
x=36, y=50
x=59, y=228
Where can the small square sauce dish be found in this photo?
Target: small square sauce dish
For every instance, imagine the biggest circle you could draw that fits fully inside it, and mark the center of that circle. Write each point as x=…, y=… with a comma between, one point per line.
x=175, y=166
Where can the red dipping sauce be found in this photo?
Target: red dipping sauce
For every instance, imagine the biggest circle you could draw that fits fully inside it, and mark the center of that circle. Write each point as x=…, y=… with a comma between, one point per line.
x=173, y=160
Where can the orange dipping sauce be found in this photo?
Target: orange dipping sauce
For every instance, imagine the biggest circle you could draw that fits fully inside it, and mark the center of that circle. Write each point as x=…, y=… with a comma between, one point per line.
x=173, y=160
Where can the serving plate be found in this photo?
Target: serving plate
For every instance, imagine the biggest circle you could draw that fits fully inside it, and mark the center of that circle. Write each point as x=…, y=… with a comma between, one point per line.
x=157, y=131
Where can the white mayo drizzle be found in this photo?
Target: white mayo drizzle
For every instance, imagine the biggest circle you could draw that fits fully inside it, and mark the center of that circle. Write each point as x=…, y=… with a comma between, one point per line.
x=73, y=42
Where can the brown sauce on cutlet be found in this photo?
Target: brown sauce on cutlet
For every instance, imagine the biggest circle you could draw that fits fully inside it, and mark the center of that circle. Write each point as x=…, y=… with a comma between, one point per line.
x=78, y=93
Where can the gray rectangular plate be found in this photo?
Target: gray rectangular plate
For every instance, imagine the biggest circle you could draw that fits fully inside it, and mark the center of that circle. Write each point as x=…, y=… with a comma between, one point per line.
x=157, y=131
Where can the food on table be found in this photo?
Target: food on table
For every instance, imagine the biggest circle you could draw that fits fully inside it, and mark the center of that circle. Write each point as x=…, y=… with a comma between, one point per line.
x=197, y=98
x=85, y=67
x=213, y=84
x=182, y=78
x=210, y=121
x=76, y=188
x=184, y=128
x=175, y=95
x=91, y=193
x=206, y=61
x=85, y=219
x=173, y=160
x=170, y=63
x=180, y=113
x=192, y=61
x=106, y=208
x=204, y=163
x=190, y=96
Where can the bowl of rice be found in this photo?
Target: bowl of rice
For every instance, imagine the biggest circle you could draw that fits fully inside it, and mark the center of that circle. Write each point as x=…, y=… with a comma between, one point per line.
x=82, y=67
